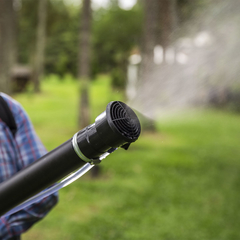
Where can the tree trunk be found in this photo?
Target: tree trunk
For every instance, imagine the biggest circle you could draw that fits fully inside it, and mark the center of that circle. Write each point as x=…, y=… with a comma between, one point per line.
x=7, y=44
x=168, y=22
x=40, y=44
x=84, y=70
x=84, y=63
x=150, y=28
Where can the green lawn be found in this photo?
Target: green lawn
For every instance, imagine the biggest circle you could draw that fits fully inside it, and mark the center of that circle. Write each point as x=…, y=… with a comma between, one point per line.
x=181, y=183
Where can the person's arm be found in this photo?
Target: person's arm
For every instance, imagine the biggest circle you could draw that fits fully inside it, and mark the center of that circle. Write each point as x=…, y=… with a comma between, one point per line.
x=28, y=148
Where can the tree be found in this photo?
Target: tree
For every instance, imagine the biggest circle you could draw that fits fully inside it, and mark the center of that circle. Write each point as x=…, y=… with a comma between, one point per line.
x=122, y=32
x=167, y=22
x=7, y=44
x=160, y=22
x=84, y=62
x=150, y=29
x=40, y=44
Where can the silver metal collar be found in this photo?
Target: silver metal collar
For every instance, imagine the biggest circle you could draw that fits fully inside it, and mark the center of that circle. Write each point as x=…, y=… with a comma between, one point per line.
x=77, y=149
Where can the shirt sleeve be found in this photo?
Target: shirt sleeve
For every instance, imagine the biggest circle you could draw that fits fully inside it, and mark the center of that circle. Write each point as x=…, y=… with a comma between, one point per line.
x=28, y=149
x=21, y=221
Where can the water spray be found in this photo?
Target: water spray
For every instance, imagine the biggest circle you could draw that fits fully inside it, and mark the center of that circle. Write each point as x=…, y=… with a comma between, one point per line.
x=117, y=126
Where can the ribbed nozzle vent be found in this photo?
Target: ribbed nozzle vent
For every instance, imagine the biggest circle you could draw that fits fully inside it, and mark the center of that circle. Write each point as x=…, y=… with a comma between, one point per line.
x=117, y=126
x=125, y=120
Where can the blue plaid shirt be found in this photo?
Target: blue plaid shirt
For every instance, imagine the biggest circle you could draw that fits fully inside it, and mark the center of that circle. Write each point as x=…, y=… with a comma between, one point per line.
x=16, y=153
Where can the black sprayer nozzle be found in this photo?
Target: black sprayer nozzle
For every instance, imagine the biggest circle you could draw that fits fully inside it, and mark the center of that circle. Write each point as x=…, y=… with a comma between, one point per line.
x=115, y=127
x=118, y=126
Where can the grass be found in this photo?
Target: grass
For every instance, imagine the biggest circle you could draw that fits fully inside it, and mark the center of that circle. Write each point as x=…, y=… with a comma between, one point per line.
x=179, y=183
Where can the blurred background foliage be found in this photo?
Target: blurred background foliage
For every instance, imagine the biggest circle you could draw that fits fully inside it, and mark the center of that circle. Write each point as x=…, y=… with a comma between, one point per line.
x=115, y=34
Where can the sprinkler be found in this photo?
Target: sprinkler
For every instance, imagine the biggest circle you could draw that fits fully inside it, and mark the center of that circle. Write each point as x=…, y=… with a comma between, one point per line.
x=117, y=126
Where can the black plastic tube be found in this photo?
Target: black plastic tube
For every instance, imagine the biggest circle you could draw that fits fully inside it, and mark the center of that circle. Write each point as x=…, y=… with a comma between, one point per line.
x=118, y=126
x=38, y=176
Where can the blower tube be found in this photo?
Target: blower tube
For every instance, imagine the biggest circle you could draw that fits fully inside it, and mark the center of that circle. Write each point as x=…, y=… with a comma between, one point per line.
x=117, y=126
